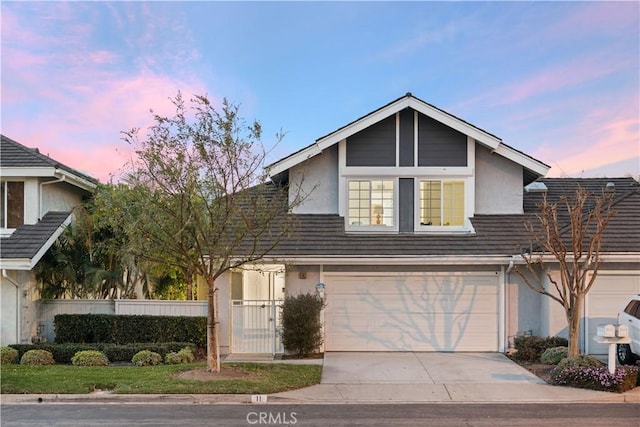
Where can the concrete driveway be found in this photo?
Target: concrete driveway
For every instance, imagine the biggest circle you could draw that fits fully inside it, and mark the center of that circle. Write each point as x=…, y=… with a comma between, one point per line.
x=422, y=368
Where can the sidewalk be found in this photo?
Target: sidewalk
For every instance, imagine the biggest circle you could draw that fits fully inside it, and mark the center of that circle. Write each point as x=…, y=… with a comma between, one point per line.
x=382, y=383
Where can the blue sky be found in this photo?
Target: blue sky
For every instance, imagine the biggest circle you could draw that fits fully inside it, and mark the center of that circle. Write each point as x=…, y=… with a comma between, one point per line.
x=559, y=81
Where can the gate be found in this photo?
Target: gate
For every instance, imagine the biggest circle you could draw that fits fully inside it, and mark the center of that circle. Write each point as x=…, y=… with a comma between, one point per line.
x=255, y=326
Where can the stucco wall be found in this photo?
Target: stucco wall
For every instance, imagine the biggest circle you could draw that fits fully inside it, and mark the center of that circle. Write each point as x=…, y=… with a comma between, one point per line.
x=302, y=279
x=523, y=308
x=26, y=314
x=317, y=178
x=499, y=187
x=59, y=197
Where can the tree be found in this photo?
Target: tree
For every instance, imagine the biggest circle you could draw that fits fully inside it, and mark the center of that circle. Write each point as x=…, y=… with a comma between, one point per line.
x=570, y=234
x=200, y=199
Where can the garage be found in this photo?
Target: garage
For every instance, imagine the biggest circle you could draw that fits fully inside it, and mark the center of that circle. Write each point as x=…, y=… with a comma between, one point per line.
x=611, y=292
x=429, y=311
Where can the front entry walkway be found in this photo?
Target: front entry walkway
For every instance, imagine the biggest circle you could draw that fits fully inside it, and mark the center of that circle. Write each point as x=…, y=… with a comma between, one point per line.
x=422, y=368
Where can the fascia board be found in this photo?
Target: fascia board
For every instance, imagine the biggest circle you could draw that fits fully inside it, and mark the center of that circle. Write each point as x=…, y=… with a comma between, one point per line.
x=363, y=123
x=76, y=180
x=454, y=123
x=23, y=264
x=395, y=260
x=525, y=161
x=619, y=257
x=50, y=241
x=15, y=172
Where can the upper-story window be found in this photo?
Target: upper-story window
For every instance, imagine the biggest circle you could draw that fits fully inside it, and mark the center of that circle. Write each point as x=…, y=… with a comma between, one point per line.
x=442, y=203
x=11, y=204
x=371, y=203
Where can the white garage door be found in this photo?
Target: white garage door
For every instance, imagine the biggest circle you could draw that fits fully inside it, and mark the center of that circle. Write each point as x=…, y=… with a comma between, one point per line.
x=412, y=312
x=610, y=294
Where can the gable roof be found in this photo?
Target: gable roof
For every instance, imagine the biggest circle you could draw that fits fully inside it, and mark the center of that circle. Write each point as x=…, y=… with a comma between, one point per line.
x=535, y=167
x=16, y=160
x=24, y=248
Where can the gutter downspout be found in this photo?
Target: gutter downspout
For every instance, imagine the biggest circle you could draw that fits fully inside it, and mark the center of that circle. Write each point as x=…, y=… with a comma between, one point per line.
x=507, y=272
x=42, y=184
x=18, y=303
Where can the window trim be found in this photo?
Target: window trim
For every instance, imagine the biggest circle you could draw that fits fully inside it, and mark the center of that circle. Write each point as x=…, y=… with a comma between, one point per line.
x=419, y=227
x=370, y=228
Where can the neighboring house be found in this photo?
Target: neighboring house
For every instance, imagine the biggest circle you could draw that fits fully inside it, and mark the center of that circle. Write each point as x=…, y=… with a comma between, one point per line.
x=37, y=197
x=411, y=229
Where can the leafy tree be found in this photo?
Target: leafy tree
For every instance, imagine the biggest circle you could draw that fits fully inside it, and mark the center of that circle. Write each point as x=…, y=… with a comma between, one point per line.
x=569, y=234
x=199, y=199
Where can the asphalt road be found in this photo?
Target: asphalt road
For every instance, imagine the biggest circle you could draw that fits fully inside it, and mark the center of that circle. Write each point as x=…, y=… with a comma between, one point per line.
x=98, y=414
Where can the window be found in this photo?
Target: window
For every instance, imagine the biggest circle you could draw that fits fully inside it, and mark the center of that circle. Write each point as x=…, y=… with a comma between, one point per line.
x=371, y=203
x=442, y=203
x=11, y=204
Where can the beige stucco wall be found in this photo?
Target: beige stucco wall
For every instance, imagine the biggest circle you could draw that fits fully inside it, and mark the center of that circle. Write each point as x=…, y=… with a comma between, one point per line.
x=499, y=187
x=317, y=178
x=59, y=197
x=19, y=305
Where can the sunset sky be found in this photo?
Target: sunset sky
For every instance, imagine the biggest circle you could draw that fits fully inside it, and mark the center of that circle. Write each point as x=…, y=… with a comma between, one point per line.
x=558, y=81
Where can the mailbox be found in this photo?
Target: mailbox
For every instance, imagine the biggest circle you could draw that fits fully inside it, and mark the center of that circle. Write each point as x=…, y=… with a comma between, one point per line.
x=607, y=331
x=622, y=331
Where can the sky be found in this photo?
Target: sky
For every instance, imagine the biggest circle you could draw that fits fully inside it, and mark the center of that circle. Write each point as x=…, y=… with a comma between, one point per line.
x=559, y=81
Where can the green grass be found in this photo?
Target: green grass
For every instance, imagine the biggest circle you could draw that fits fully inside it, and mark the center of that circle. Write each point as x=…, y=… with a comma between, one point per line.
x=66, y=379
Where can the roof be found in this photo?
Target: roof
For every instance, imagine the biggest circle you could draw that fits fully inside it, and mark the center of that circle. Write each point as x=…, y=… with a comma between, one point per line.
x=324, y=237
x=26, y=245
x=18, y=160
x=533, y=166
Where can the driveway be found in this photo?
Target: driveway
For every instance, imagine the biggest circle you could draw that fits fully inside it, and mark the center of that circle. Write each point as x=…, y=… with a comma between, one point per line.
x=422, y=368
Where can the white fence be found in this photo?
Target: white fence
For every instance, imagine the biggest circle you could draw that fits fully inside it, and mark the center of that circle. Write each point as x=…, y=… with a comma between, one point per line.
x=50, y=308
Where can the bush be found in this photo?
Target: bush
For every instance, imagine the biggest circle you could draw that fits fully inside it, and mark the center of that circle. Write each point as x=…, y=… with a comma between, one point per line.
x=183, y=356
x=530, y=348
x=37, y=357
x=553, y=355
x=579, y=361
x=89, y=358
x=301, y=324
x=597, y=378
x=146, y=358
x=8, y=355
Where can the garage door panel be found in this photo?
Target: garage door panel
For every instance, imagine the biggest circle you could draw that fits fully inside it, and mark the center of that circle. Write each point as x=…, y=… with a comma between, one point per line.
x=609, y=294
x=374, y=313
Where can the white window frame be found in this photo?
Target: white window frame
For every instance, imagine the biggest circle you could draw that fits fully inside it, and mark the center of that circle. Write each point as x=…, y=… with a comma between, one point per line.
x=465, y=227
x=370, y=228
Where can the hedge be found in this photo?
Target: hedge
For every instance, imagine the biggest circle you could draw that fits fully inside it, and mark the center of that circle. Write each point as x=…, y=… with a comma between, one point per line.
x=126, y=329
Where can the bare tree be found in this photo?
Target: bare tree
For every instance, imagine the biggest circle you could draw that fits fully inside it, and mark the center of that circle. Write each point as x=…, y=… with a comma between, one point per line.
x=200, y=199
x=569, y=234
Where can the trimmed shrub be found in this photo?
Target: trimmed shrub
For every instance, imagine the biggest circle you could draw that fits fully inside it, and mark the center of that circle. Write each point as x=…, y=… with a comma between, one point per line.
x=183, y=356
x=597, y=378
x=89, y=358
x=37, y=357
x=301, y=325
x=553, y=355
x=530, y=348
x=579, y=361
x=8, y=355
x=146, y=358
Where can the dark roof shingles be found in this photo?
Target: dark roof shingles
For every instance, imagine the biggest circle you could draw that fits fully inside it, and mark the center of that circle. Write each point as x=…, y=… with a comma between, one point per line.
x=27, y=240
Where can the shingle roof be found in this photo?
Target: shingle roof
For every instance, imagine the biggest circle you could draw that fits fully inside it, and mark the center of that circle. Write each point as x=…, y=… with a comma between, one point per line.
x=28, y=240
x=495, y=235
x=13, y=154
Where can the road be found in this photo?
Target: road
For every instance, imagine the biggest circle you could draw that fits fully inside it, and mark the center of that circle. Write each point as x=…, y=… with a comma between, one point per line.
x=190, y=415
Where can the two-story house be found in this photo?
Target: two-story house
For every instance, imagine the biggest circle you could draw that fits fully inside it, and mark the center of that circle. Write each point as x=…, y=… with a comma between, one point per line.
x=411, y=228
x=37, y=197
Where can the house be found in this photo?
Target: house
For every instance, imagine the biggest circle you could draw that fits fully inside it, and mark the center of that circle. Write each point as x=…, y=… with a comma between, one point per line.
x=37, y=197
x=411, y=228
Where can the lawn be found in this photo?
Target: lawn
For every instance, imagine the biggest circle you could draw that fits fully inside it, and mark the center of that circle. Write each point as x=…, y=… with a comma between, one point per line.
x=237, y=378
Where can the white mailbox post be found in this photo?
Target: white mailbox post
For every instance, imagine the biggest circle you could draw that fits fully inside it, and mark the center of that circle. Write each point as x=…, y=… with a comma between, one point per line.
x=612, y=335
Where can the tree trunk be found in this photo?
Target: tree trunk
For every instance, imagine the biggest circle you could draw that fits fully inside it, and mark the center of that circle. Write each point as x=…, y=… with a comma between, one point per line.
x=573, y=321
x=213, y=364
